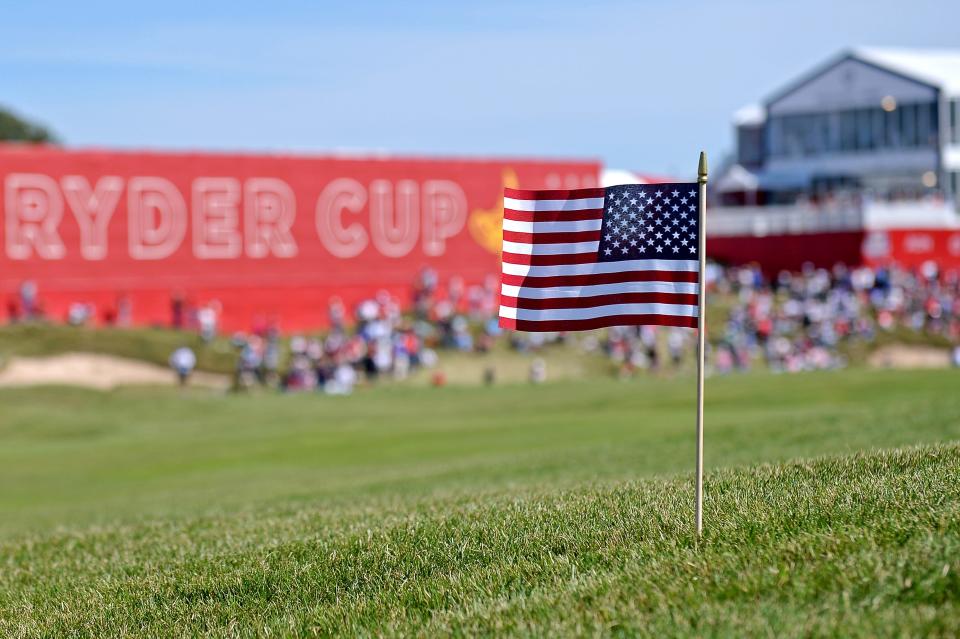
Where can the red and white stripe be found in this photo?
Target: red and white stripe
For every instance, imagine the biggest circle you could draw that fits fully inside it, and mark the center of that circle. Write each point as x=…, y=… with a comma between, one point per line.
x=552, y=280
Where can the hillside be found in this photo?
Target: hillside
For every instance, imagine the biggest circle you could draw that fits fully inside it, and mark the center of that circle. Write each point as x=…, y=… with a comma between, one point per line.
x=863, y=545
x=564, y=508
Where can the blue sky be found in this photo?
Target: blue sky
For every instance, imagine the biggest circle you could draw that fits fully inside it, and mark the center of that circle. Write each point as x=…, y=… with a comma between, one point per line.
x=639, y=85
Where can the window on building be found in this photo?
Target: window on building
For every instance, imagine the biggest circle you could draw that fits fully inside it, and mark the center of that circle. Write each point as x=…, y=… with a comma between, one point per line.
x=926, y=124
x=908, y=125
x=774, y=137
x=934, y=109
x=864, y=130
x=811, y=127
x=892, y=121
x=878, y=122
x=833, y=126
x=790, y=141
x=750, y=145
x=858, y=130
x=823, y=133
x=848, y=131
x=798, y=133
x=955, y=122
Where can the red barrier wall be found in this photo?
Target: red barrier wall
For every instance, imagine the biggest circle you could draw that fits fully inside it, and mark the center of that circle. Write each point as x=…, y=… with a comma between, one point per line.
x=265, y=235
x=906, y=247
x=788, y=252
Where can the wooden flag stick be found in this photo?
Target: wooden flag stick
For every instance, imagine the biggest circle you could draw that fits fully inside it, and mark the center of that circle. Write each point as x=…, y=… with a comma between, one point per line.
x=701, y=333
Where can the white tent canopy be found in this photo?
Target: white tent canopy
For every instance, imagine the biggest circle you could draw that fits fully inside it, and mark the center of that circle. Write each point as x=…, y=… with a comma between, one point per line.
x=613, y=177
x=738, y=179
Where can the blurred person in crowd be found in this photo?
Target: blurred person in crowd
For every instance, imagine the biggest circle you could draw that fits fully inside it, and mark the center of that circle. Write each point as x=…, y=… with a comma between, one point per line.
x=455, y=291
x=29, y=301
x=80, y=313
x=271, y=356
x=538, y=371
x=648, y=337
x=183, y=361
x=424, y=289
x=178, y=311
x=247, y=371
x=676, y=341
x=336, y=314
x=489, y=375
x=13, y=311
x=124, y=316
x=208, y=318
x=343, y=380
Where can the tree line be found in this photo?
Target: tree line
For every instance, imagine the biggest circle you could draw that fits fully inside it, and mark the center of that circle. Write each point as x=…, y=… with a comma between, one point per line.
x=18, y=129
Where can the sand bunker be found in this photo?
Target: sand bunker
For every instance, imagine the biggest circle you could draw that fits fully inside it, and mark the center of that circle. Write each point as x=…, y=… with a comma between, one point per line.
x=903, y=356
x=90, y=370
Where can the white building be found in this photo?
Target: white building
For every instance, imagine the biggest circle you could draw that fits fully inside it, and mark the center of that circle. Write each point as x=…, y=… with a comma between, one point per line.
x=871, y=125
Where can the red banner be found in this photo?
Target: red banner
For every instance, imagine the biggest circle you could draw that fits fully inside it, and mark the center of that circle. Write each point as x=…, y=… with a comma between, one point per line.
x=263, y=235
x=913, y=247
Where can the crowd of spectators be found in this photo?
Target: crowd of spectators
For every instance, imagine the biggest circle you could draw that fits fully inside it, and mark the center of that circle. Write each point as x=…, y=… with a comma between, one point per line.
x=801, y=321
x=377, y=341
x=794, y=321
x=645, y=348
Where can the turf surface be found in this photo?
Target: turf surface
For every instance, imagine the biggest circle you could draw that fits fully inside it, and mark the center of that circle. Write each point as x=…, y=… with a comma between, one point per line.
x=152, y=345
x=562, y=509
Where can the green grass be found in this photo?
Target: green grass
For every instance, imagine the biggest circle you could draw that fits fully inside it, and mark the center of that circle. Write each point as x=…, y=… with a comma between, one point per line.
x=561, y=509
x=864, y=546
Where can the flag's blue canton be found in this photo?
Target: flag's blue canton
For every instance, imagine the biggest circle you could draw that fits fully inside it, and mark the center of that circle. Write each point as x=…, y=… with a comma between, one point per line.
x=650, y=221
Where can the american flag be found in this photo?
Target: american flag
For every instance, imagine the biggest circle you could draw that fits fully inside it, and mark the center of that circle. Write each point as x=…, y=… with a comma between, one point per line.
x=588, y=258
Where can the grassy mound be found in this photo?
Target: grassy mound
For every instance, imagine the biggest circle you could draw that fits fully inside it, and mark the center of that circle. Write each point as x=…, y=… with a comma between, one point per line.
x=865, y=545
x=560, y=509
x=77, y=457
x=152, y=345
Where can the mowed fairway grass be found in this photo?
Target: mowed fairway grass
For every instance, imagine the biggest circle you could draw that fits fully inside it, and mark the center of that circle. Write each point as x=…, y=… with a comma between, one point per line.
x=832, y=507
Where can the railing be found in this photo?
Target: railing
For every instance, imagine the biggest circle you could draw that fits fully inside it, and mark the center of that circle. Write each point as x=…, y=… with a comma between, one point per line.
x=796, y=219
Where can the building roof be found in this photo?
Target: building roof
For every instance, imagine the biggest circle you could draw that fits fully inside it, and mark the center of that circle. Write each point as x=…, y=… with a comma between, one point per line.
x=614, y=177
x=940, y=68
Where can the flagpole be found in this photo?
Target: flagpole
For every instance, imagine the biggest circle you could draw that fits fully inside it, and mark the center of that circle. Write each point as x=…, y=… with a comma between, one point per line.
x=701, y=333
